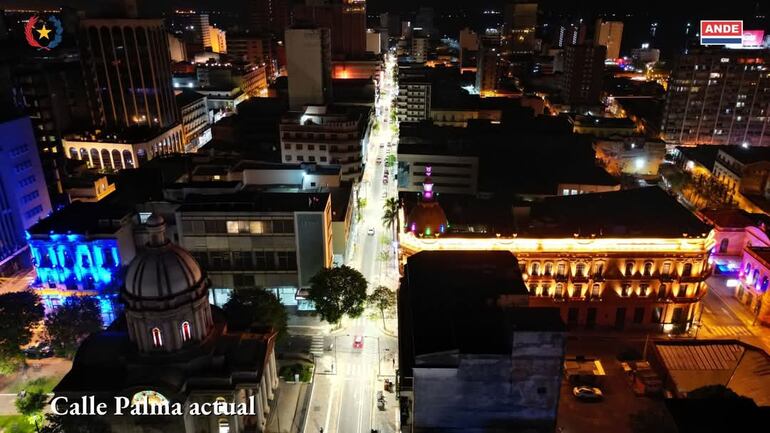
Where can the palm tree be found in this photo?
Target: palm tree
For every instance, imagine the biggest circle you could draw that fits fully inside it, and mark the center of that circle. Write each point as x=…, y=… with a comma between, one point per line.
x=391, y=204
x=389, y=218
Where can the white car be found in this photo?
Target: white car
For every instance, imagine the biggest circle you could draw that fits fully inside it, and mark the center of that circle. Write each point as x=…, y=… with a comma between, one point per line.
x=370, y=232
x=587, y=393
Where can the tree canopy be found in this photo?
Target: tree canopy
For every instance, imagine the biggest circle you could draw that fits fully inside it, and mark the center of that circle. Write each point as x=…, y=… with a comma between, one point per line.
x=255, y=307
x=337, y=292
x=383, y=299
x=71, y=322
x=19, y=314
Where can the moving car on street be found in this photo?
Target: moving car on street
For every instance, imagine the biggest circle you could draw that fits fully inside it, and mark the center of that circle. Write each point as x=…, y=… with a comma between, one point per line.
x=587, y=393
x=358, y=342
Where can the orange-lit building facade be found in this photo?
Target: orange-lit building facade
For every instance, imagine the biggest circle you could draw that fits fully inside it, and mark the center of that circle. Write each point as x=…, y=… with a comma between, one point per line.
x=642, y=280
x=753, y=282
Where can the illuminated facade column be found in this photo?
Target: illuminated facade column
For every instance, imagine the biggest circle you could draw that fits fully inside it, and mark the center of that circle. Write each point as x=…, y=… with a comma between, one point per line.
x=260, y=411
x=273, y=371
x=263, y=395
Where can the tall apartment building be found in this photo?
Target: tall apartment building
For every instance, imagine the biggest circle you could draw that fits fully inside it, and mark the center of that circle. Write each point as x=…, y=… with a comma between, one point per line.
x=309, y=65
x=196, y=124
x=346, y=19
x=52, y=92
x=469, y=46
x=128, y=73
x=23, y=192
x=719, y=96
x=609, y=34
x=420, y=44
x=193, y=28
x=520, y=19
x=488, y=66
x=326, y=135
x=217, y=40
x=414, y=96
x=581, y=82
x=249, y=240
x=270, y=16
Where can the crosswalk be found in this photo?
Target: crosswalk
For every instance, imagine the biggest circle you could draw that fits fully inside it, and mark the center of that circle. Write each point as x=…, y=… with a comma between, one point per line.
x=728, y=331
x=355, y=370
x=317, y=345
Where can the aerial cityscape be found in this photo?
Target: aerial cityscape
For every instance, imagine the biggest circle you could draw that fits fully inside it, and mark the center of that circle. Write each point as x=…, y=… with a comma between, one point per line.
x=371, y=216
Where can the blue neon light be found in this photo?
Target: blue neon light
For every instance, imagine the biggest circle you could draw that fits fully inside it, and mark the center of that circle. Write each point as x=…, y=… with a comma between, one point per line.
x=72, y=260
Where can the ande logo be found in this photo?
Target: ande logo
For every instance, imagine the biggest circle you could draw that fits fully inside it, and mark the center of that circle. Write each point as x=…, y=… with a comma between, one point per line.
x=43, y=34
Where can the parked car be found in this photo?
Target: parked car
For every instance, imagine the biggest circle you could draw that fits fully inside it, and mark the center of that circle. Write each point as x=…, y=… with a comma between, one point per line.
x=370, y=232
x=358, y=342
x=379, y=160
x=587, y=393
x=39, y=351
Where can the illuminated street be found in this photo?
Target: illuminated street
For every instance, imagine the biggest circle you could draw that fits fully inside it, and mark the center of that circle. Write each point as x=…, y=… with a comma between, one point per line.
x=345, y=394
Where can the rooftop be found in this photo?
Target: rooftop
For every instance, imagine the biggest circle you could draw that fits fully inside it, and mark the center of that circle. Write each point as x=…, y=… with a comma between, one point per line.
x=450, y=298
x=83, y=218
x=255, y=201
x=747, y=155
x=187, y=97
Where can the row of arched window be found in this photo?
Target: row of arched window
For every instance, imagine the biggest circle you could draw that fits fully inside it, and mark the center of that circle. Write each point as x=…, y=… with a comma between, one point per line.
x=105, y=159
x=581, y=269
x=184, y=330
x=753, y=277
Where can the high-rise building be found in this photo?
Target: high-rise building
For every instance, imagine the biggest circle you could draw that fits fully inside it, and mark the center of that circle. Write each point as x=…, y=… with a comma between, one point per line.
x=271, y=16
x=23, y=192
x=192, y=28
x=53, y=95
x=414, y=94
x=571, y=34
x=609, y=34
x=719, y=96
x=345, y=18
x=128, y=73
x=581, y=83
x=217, y=40
x=308, y=56
x=520, y=19
x=419, y=49
x=469, y=47
x=488, y=66
x=326, y=135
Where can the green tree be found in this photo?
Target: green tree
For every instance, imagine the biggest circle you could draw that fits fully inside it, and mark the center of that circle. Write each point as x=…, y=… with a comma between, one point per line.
x=389, y=218
x=337, y=292
x=74, y=424
x=19, y=314
x=255, y=307
x=69, y=324
x=31, y=405
x=383, y=299
x=390, y=161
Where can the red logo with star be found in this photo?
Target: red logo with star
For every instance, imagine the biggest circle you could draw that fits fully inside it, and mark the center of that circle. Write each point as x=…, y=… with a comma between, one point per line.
x=43, y=34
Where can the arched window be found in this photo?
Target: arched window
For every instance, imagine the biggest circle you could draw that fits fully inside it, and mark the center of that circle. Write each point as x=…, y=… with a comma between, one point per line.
x=116, y=159
x=723, y=245
x=763, y=287
x=186, y=334
x=548, y=269
x=599, y=269
x=754, y=275
x=84, y=156
x=687, y=270
x=95, y=160
x=74, y=153
x=647, y=269
x=535, y=268
x=629, y=268
x=580, y=270
x=224, y=426
x=157, y=337
x=106, y=158
x=128, y=158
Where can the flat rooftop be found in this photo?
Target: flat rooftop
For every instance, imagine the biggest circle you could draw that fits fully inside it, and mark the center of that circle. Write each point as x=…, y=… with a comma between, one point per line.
x=83, y=218
x=255, y=201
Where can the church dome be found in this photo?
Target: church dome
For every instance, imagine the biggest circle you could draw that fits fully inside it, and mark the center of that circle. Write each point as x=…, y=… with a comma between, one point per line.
x=427, y=218
x=163, y=269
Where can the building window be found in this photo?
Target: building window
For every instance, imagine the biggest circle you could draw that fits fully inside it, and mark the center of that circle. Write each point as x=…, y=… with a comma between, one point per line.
x=577, y=290
x=763, y=286
x=644, y=289
x=533, y=289
x=256, y=227
x=560, y=269
x=535, y=269
x=657, y=315
x=287, y=260
x=580, y=270
x=599, y=269
x=300, y=158
x=186, y=333
x=625, y=290
x=595, y=290
x=287, y=158
x=157, y=337
x=629, y=269
x=666, y=269
x=638, y=315
x=687, y=270
x=723, y=245
x=299, y=147
x=647, y=269
x=323, y=159
x=548, y=269
x=224, y=426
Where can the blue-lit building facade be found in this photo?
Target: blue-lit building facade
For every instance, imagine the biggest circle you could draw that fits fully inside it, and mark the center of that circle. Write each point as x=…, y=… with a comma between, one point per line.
x=23, y=192
x=82, y=250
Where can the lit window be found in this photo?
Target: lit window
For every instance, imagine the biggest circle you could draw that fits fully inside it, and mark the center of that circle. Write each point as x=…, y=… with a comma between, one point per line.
x=186, y=334
x=157, y=337
x=232, y=227
x=256, y=227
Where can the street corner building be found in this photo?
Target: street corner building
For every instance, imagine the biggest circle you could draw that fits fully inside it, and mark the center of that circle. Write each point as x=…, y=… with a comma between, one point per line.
x=172, y=346
x=619, y=260
x=473, y=356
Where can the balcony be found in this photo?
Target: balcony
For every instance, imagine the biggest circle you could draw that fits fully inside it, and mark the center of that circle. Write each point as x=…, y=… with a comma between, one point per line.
x=580, y=278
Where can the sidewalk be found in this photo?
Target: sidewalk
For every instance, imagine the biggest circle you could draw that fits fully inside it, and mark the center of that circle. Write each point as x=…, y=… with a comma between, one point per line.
x=290, y=410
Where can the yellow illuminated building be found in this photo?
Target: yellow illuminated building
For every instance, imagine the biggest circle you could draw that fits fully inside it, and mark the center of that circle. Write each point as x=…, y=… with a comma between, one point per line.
x=649, y=279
